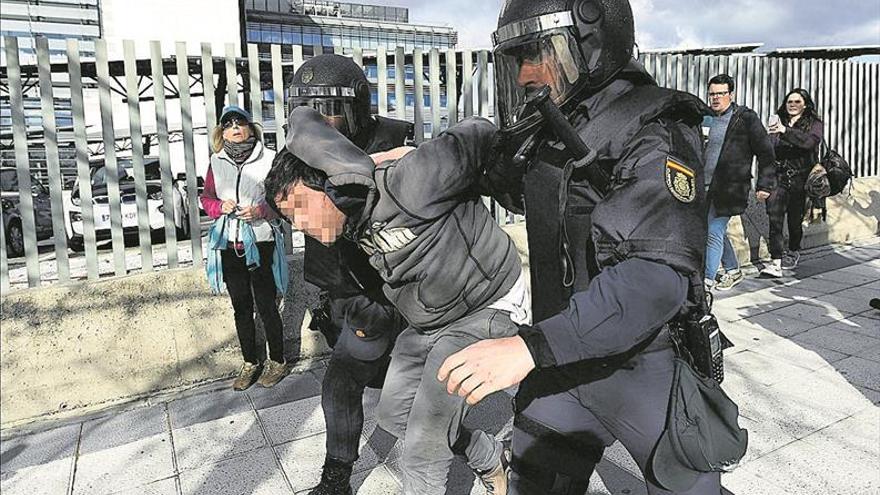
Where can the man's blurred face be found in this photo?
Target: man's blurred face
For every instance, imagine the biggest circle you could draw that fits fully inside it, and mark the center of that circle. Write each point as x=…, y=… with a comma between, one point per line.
x=312, y=212
x=720, y=97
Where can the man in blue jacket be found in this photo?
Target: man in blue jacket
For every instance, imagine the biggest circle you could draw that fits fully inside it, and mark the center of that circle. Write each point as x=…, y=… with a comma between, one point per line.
x=447, y=266
x=735, y=135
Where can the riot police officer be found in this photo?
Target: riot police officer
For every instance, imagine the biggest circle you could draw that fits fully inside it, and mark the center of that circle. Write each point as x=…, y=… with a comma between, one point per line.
x=353, y=314
x=615, y=245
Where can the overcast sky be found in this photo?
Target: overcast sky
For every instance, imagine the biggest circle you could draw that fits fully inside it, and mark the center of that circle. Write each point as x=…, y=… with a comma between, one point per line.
x=690, y=23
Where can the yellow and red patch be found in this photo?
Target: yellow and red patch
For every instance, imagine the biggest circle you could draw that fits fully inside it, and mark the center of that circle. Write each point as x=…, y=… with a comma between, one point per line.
x=681, y=180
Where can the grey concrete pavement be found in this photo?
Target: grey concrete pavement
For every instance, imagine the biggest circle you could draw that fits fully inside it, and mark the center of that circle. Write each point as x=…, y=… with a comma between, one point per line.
x=805, y=372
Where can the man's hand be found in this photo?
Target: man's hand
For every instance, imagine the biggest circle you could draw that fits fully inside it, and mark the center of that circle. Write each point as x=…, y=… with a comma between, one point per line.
x=486, y=367
x=762, y=195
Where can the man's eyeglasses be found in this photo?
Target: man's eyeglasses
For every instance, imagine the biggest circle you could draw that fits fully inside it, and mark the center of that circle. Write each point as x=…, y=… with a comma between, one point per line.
x=719, y=94
x=234, y=122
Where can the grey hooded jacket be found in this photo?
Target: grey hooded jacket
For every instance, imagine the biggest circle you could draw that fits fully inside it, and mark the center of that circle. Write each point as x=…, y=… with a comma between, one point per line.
x=441, y=254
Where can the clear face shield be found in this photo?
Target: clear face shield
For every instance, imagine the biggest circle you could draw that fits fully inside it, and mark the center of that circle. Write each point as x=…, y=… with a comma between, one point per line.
x=336, y=104
x=527, y=63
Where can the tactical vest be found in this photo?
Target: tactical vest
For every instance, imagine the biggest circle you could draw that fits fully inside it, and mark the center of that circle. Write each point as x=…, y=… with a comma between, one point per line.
x=576, y=228
x=343, y=269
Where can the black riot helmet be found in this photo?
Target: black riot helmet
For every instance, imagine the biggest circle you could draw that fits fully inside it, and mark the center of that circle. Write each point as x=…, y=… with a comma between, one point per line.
x=573, y=46
x=337, y=88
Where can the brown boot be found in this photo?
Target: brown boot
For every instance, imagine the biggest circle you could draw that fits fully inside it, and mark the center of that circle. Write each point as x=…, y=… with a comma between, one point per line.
x=246, y=376
x=273, y=372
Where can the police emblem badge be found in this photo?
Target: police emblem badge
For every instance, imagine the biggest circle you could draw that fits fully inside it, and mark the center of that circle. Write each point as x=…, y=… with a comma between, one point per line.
x=680, y=180
x=307, y=75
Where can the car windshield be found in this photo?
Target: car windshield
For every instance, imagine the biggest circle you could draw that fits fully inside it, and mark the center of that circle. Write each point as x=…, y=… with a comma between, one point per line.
x=99, y=178
x=8, y=181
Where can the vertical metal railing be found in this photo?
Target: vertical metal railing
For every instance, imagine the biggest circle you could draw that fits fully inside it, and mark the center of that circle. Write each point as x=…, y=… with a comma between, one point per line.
x=53, y=162
x=457, y=84
x=137, y=156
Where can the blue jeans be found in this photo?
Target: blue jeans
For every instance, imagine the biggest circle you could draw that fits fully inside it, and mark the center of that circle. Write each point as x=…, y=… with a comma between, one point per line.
x=719, y=250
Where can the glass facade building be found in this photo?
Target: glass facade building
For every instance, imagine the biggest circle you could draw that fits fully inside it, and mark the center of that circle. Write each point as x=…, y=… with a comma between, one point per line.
x=57, y=20
x=337, y=24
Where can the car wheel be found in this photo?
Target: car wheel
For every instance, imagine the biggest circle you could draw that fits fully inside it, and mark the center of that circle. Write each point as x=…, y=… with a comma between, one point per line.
x=14, y=240
x=76, y=244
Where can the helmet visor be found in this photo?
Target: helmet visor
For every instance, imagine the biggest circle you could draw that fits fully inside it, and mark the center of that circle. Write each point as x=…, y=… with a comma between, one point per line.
x=528, y=63
x=337, y=111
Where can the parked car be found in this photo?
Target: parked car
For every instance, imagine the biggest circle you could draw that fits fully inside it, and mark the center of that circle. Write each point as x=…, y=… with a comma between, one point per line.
x=11, y=204
x=101, y=203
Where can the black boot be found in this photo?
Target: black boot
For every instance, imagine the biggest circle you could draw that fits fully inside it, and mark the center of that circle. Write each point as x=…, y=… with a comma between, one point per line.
x=335, y=479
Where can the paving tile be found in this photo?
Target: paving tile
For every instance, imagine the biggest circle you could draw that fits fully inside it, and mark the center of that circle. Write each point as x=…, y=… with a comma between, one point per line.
x=804, y=468
x=302, y=461
x=38, y=448
x=844, y=303
x=794, y=414
x=122, y=428
x=796, y=354
x=207, y=407
x=827, y=389
x=861, y=294
x=767, y=300
x=294, y=420
x=748, y=335
x=762, y=369
x=294, y=387
x=871, y=395
x=858, y=276
x=214, y=441
x=167, y=486
x=746, y=480
x=860, y=372
x=124, y=466
x=871, y=313
x=378, y=481
x=781, y=325
x=831, y=337
x=820, y=285
x=812, y=312
x=859, y=324
x=49, y=478
x=253, y=473
x=764, y=437
x=856, y=439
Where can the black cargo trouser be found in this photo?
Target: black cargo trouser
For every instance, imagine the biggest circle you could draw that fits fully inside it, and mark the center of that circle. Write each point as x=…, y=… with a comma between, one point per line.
x=559, y=439
x=342, y=394
x=248, y=287
x=789, y=200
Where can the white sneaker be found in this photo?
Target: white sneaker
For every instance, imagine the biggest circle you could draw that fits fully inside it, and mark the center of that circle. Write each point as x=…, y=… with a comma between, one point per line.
x=709, y=284
x=790, y=260
x=772, y=269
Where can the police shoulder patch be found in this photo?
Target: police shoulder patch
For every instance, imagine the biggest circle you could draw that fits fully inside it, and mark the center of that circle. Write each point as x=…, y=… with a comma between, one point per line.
x=681, y=180
x=307, y=75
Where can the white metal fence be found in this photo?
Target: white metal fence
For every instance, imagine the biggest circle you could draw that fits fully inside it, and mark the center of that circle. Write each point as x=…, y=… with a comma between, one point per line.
x=180, y=97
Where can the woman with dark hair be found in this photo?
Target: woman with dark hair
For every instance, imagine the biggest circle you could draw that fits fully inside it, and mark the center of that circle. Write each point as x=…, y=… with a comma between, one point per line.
x=796, y=136
x=234, y=190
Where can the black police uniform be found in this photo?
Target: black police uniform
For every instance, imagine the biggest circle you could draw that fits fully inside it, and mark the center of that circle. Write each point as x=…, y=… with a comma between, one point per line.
x=606, y=279
x=344, y=273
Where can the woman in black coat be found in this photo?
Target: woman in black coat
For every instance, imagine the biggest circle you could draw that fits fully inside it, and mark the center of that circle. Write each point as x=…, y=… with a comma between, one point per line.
x=796, y=137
